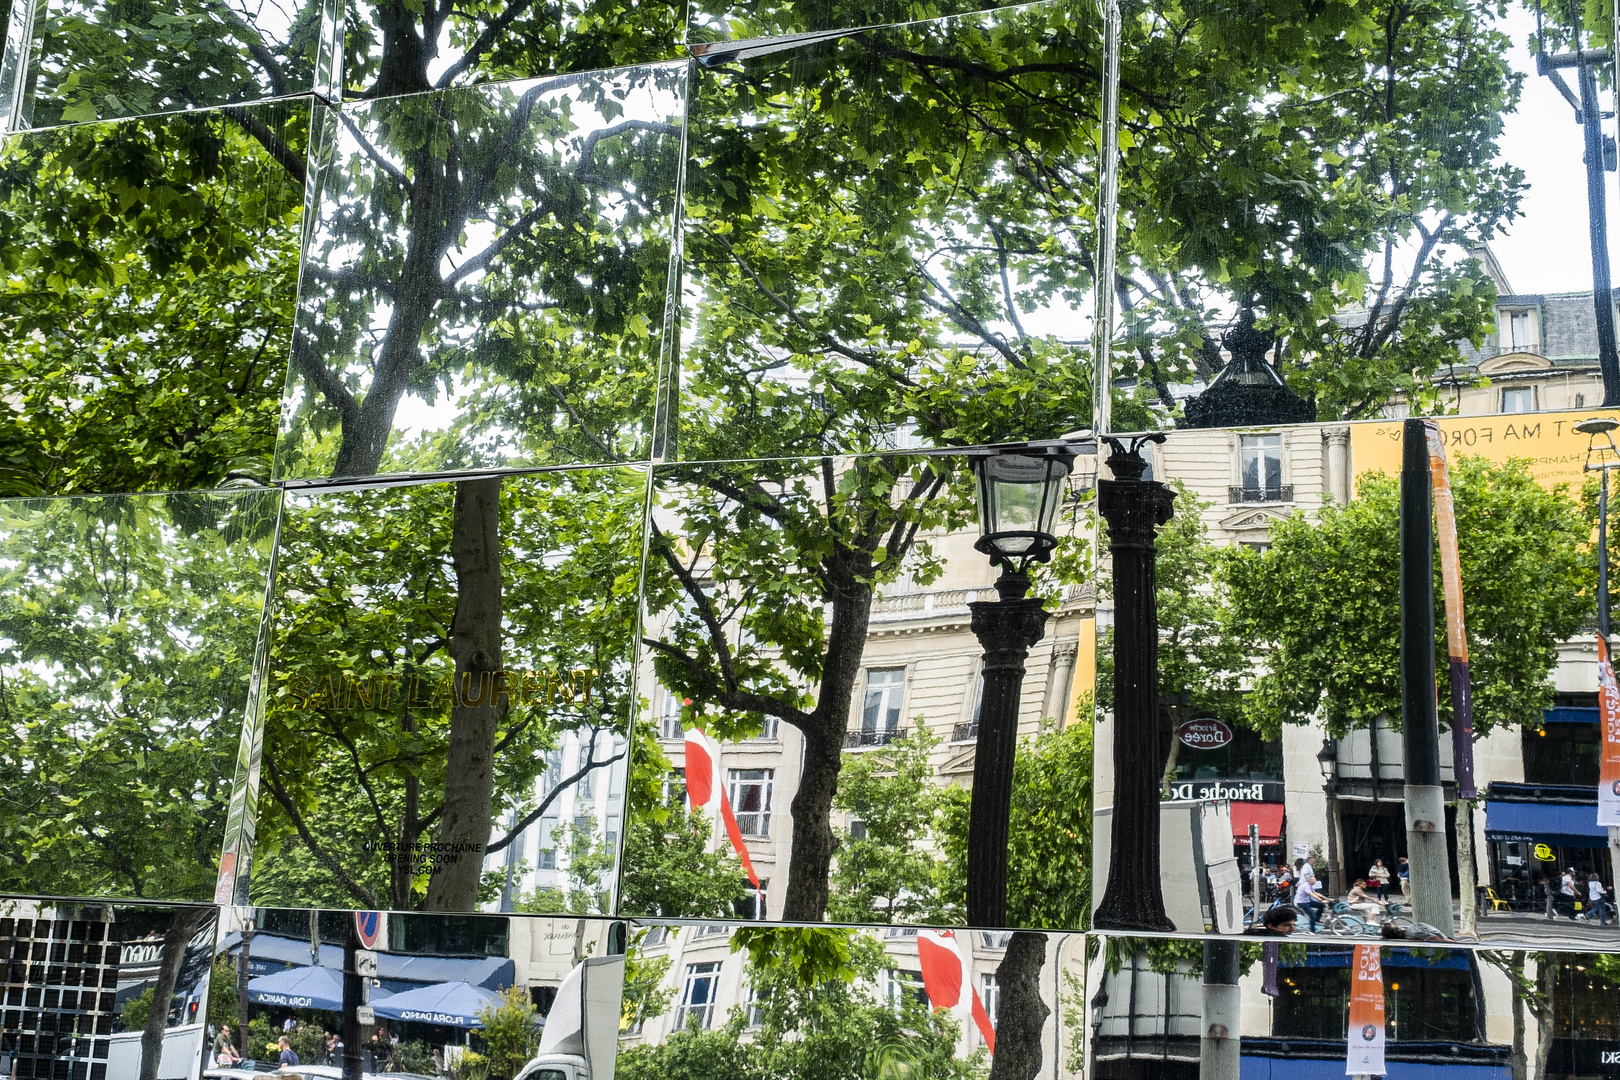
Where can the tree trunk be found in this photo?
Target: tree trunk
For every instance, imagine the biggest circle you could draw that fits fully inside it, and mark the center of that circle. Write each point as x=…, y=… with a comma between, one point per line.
x=1546, y=975
x=1467, y=872
x=810, y=858
x=186, y=923
x=1520, y=1065
x=475, y=644
x=1022, y=1012
x=1219, y=1046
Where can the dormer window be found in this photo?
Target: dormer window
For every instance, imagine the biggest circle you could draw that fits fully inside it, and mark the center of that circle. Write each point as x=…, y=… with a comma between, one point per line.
x=1518, y=399
x=1520, y=331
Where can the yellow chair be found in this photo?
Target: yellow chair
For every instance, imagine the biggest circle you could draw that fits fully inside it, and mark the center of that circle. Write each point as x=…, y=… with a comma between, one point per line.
x=1496, y=902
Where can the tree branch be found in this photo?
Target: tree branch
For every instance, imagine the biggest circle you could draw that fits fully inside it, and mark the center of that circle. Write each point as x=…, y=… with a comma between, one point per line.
x=365, y=895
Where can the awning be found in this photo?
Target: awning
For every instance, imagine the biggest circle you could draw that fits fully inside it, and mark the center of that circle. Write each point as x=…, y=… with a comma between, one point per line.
x=456, y=1004
x=1267, y=815
x=397, y=972
x=1570, y=714
x=1554, y=824
x=303, y=988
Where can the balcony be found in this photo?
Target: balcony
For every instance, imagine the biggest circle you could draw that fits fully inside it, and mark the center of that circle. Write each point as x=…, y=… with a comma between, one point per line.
x=1281, y=494
x=854, y=740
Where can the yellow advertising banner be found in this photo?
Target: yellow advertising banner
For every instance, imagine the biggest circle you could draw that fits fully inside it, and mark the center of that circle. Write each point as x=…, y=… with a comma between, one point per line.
x=1556, y=452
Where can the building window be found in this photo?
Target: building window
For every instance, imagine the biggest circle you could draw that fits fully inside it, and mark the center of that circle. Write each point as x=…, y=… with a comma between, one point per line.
x=756, y=1010
x=1562, y=753
x=1260, y=470
x=966, y=730
x=610, y=834
x=995, y=939
x=990, y=994
x=669, y=718
x=656, y=936
x=674, y=786
x=697, y=998
x=769, y=732
x=1521, y=335
x=1518, y=399
x=880, y=708
x=587, y=783
x=750, y=791
x=553, y=774
x=752, y=906
x=713, y=929
x=899, y=985
x=547, y=857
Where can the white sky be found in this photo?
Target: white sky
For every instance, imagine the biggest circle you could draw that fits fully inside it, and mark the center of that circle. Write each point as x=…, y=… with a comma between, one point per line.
x=1546, y=249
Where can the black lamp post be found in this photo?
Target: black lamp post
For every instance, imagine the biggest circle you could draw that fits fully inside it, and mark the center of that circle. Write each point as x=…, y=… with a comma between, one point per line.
x=1020, y=490
x=1328, y=759
x=1134, y=509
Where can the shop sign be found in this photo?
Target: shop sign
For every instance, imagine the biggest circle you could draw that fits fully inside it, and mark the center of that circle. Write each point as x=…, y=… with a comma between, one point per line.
x=1235, y=790
x=1205, y=734
x=1545, y=853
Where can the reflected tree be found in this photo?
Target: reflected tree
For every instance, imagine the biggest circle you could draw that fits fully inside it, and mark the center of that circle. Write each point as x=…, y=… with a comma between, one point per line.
x=126, y=643
x=1325, y=168
x=373, y=592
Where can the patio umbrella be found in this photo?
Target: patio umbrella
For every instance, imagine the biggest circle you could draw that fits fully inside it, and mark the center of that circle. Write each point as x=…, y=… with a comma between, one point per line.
x=304, y=988
x=455, y=1004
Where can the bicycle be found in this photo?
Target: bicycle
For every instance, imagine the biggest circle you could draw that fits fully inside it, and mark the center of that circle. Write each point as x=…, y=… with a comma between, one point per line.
x=1345, y=922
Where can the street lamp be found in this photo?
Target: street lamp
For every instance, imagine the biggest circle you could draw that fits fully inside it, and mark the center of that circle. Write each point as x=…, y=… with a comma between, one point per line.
x=1134, y=508
x=1020, y=489
x=1328, y=759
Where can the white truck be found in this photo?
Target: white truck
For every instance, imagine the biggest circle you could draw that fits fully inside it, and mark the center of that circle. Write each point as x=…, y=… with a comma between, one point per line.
x=581, y=1037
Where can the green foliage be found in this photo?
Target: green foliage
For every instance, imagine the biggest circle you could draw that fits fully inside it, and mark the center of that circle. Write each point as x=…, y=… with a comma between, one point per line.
x=1291, y=160
x=645, y=995
x=150, y=274
x=137, y=1009
x=589, y=861
x=886, y=874
x=126, y=644
x=368, y=589
x=1048, y=834
x=222, y=999
x=511, y=1032
x=1322, y=604
x=674, y=873
x=819, y=1019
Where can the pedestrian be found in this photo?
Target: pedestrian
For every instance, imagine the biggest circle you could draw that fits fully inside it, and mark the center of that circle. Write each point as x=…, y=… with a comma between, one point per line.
x=1566, y=892
x=1548, y=893
x=1597, y=899
x=1404, y=871
x=1278, y=922
x=287, y=1056
x=1306, y=898
x=1378, y=875
x=225, y=1054
x=1361, y=900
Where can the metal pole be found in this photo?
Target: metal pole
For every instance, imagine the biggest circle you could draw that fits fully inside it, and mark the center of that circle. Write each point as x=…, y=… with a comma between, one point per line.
x=353, y=998
x=1598, y=230
x=1603, y=628
x=1220, y=1042
x=1134, y=509
x=1420, y=720
x=1007, y=628
x=1257, y=879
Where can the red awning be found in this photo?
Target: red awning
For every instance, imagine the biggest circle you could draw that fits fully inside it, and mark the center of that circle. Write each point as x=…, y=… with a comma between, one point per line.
x=1267, y=815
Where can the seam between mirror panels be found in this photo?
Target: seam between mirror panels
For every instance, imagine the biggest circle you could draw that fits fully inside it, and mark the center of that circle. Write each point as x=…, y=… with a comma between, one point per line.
x=665, y=442
x=241, y=821
x=634, y=697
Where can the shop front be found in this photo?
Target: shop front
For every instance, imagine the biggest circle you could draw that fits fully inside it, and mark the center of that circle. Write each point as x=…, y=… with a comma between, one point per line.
x=1536, y=831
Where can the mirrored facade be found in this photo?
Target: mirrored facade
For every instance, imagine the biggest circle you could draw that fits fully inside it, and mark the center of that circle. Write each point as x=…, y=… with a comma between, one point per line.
x=127, y=637
x=902, y=505
x=444, y=718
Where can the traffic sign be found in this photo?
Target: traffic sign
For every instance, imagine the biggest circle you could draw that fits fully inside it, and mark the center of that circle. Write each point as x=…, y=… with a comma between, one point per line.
x=365, y=963
x=369, y=924
x=366, y=1016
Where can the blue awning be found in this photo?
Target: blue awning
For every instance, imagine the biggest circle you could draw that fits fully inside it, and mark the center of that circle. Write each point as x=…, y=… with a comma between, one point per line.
x=1554, y=824
x=1268, y=1068
x=1569, y=714
x=1329, y=957
x=396, y=972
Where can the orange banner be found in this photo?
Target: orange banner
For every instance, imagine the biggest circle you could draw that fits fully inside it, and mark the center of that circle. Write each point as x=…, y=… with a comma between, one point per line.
x=1609, y=749
x=1366, y=1034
